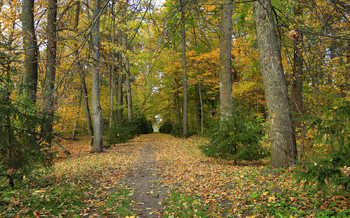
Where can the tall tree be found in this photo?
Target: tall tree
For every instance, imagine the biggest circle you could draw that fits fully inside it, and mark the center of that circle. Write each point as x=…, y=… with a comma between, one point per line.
x=30, y=51
x=184, y=73
x=120, y=89
x=226, y=103
x=128, y=89
x=48, y=100
x=296, y=81
x=283, y=146
x=112, y=70
x=96, y=106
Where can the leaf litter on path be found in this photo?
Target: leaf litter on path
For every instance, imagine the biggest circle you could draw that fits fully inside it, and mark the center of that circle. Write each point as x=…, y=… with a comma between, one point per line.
x=135, y=178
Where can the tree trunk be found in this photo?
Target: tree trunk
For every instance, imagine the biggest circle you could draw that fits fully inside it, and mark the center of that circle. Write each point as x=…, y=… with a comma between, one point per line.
x=202, y=108
x=30, y=51
x=96, y=106
x=296, y=81
x=77, y=118
x=177, y=103
x=128, y=89
x=283, y=147
x=226, y=103
x=49, y=85
x=86, y=104
x=198, y=108
x=111, y=95
x=184, y=73
x=120, y=90
x=112, y=73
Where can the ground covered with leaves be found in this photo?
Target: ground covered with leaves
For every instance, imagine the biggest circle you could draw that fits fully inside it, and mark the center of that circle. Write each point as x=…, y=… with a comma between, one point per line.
x=158, y=175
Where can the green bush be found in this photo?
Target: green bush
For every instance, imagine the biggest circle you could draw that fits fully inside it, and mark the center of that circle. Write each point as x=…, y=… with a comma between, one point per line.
x=166, y=127
x=120, y=132
x=332, y=133
x=176, y=131
x=142, y=125
x=237, y=138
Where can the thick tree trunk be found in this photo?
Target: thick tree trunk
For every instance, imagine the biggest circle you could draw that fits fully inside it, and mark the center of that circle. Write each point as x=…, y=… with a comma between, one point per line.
x=30, y=51
x=128, y=89
x=120, y=90
x=226, y=103
x=184, y=74
x=96, y=106
x=283, y=147
x=48, y=100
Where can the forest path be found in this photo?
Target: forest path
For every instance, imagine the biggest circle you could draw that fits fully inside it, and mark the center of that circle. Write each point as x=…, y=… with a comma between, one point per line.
x=143, y=179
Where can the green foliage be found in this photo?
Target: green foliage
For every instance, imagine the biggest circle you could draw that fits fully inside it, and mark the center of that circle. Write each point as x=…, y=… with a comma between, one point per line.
x=120, y=132
x=127, y=130
x=176, y=131
x=332, y=134
x=142, y=125
x=166, y=127
x=237, y=138
x=22, y=147
x=179, y=204
x=122, y=198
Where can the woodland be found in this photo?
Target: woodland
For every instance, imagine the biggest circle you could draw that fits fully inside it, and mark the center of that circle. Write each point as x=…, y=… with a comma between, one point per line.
x=175, y=108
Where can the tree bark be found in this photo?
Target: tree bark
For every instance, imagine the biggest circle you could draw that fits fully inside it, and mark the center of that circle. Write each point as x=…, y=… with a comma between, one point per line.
x=198, y=108
x=202, y=107
x=120, y=90
x=296, y=81
x=283, y=147
x=128, y=89
x=112, y=73
x=30, y=47
x=86, y=104
x=226, y=103
x=96, y=106
x=49, y=85
x=77, y=117
x=184, y=73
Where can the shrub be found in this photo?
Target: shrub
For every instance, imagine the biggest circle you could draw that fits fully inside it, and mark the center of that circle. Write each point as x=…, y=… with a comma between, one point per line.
x=332, y=138
x=237, y=138
x=142, y=125
x=176, y=131
x=120, y=132
x=166, y=127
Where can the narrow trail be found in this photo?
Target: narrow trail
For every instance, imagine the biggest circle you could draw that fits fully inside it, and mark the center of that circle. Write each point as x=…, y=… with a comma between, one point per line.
x=143, y=179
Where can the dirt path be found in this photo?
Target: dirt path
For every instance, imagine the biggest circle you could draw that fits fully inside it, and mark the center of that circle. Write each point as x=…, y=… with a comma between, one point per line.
x=144, y=180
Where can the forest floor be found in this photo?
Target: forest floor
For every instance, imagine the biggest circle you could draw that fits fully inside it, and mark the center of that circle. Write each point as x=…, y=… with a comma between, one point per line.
x=157, y=175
